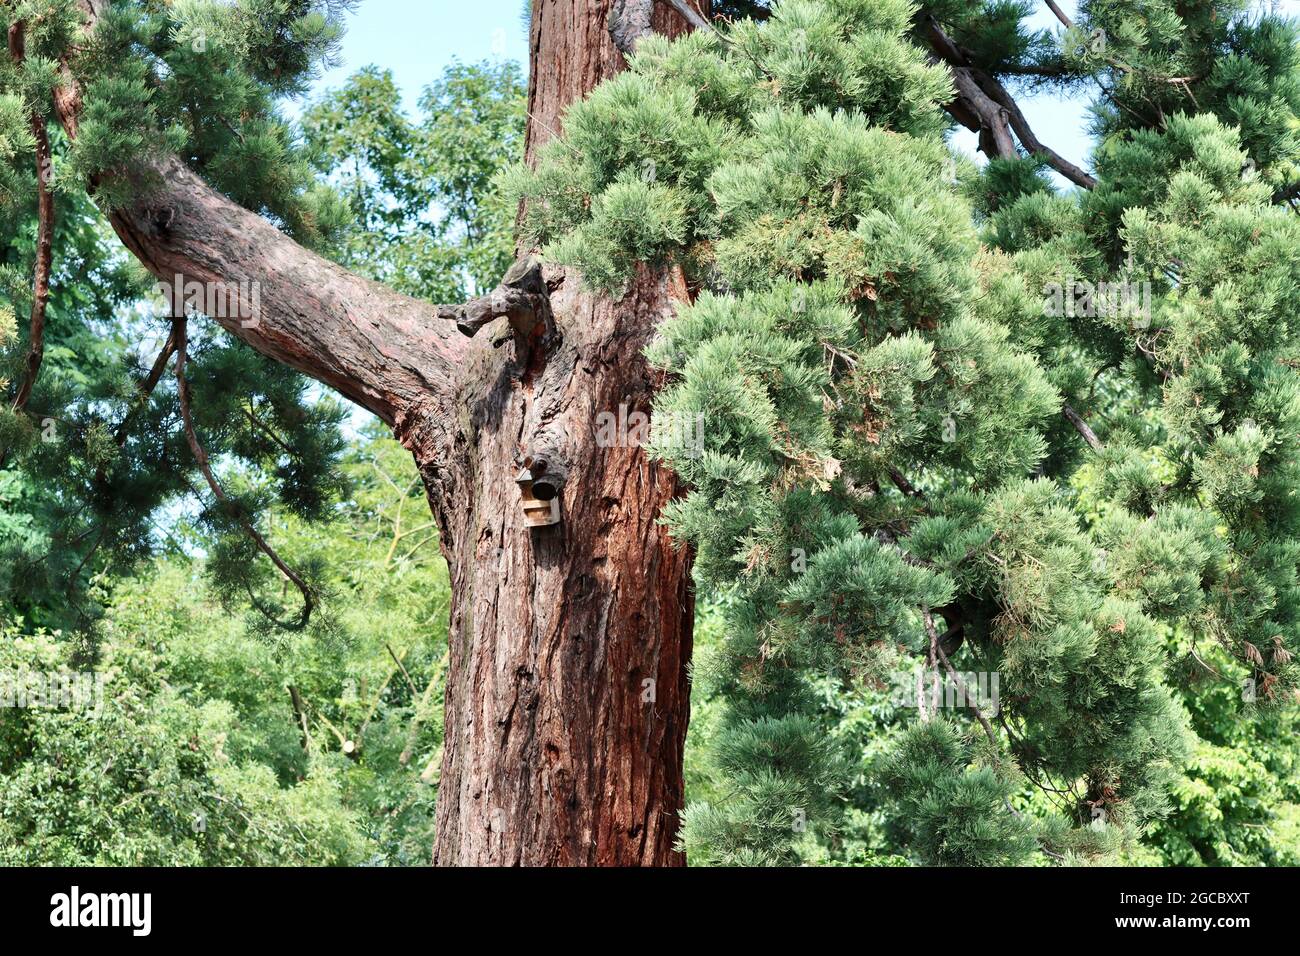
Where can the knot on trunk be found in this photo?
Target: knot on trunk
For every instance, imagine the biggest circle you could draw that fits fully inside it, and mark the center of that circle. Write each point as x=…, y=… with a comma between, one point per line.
x=161, y=218
x=521, y=297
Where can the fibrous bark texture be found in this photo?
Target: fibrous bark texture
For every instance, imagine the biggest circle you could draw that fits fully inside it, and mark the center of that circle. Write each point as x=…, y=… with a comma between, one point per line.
x=567, y=703
x=568, y=698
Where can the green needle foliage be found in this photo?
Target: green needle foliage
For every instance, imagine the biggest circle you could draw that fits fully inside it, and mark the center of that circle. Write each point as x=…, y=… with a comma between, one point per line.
x=97, y=466
x=881, y=375
x=98, y=454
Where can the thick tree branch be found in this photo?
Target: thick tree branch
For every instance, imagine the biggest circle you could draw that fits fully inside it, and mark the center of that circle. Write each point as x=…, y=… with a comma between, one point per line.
x=993, y=124
x=689, y=13
x=984, y=106
x=380, y=349
x=383, y=350
x=1060, y=14
x=998, y=93
x=1082, y=428
x=902, y=484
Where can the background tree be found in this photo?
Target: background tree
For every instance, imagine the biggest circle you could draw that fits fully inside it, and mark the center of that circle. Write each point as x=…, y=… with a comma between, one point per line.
x=136, y=92
x=368, y=539
x=213, y=741
x=427, y=219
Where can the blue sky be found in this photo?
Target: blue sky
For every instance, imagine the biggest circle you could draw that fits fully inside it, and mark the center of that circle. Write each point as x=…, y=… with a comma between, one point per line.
x=416, y=39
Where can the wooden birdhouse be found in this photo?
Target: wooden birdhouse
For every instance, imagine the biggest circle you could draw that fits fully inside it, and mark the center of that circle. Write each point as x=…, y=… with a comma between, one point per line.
x=538, y=513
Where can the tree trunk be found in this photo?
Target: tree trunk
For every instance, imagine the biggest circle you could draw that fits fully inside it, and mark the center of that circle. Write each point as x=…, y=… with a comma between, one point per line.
x=567, y=695
x=567, y=700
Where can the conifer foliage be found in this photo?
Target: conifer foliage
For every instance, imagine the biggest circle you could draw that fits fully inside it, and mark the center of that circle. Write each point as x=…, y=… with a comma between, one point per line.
x=893, y=469
x=98, y=463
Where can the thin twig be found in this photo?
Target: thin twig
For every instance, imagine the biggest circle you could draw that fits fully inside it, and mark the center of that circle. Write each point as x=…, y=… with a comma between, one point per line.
x=402, y=667
x=201, y=459
x=413, y=732
x=956, y=678
x=146, y=387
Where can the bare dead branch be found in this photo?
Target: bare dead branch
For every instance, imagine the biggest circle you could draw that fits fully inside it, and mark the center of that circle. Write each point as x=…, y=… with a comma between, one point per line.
x=402, y=667
x=520, y=297
x=984, y=106
x=300, y=714
x=421, y=711
x=690, y=14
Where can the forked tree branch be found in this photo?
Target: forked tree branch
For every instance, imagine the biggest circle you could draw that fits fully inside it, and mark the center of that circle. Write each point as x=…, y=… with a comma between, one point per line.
x=1031, y=142
x=385, y=351
x=984, y=106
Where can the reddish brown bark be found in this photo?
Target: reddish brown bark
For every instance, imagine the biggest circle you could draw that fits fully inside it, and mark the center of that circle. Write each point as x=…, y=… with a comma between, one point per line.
x=568, y=701
x=567, y=695
x=570, y=51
